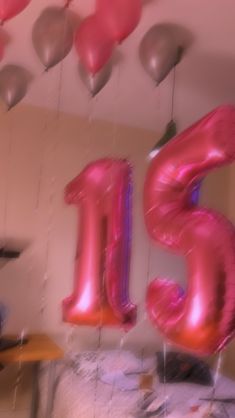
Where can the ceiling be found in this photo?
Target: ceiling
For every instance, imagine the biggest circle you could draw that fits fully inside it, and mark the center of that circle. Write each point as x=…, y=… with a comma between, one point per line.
x=205, y=77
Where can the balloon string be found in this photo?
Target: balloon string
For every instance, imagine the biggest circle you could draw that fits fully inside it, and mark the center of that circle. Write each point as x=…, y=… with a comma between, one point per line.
x=51, y=200
x=60, y=85
x=216, y=378
x=164, y=376
x=115, y=378
x=173, y=94
x=98, y=359
x=90, y=118
x=116, y=109
x=69, y=338
x=19, y=372
x=143, y=351
x=52, y=189
x=114, y=147
x=42, y=159
x=7, y=176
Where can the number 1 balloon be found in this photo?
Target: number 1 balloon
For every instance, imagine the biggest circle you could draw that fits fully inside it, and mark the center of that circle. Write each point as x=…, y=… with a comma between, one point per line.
x=53, y=35
x=11, y=8
x=201, y=318
x=159, y=52
x=14, y=82
x=103, y=195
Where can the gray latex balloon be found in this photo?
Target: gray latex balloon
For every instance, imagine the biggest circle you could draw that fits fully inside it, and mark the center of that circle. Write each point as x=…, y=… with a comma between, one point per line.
x=95, y=82
x=14, y=82
x=159, y=52
x=52, y=35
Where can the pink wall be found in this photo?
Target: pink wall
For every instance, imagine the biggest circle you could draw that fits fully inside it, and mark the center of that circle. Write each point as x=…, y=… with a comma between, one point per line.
x=39, y=154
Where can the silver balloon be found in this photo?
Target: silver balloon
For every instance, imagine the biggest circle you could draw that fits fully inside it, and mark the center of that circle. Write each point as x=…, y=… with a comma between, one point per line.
x=53, y=35
x=95, y=82
x=159, y=52
x=14, y=82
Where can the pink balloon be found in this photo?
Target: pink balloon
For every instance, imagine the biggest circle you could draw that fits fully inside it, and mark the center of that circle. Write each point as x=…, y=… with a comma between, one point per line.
x=11, y=8
x=102, y=194
x=120, y=16
x=200, y=319
x=94, y=44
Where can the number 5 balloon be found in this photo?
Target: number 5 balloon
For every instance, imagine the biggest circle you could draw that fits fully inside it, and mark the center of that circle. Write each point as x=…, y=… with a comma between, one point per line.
x=200, y=319
x=11, y=8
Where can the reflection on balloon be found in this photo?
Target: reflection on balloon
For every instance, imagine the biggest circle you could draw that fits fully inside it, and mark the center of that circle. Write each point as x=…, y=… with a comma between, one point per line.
x=195, y=195
x=201, y=319
x=95, y=82
x=11, y=8
x=14, y=82
x=94, y=45
x=159, y=52
x=53, y=35
x=102, y=194
x=120, y=16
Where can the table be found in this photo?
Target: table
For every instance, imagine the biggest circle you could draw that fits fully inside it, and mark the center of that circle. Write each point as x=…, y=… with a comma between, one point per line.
x=39, y=348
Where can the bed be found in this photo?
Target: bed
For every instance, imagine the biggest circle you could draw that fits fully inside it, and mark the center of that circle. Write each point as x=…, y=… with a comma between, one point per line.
x=94, y=388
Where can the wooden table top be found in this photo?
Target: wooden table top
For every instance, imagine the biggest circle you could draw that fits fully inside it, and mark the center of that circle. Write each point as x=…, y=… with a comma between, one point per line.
x=40, y=347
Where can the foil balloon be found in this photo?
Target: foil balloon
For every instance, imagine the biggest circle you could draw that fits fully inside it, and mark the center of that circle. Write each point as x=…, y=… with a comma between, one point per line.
x=94, y=44
x=53, y=35
x=159, y=52
x=195, y=196
x=11, y=8
x=14, y=81
x=102, y=194
x=120, y=16
x=169, y=134
x=200, y=318
x=95, y=82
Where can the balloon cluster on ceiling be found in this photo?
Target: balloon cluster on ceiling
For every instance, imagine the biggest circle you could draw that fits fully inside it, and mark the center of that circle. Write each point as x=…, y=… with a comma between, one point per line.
x=55, y=32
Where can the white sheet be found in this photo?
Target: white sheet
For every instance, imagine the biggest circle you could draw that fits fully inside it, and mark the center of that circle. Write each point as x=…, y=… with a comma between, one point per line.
x=77, y=397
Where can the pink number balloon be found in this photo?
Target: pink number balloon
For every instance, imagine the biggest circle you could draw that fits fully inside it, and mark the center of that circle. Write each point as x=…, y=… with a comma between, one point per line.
x=11, y=8
x=93, y=43
x=120, y=16
x=102, y=193
x=202, y=318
